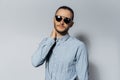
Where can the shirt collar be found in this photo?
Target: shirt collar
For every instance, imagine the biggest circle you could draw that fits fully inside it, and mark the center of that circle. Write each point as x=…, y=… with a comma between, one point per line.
x=63, y=38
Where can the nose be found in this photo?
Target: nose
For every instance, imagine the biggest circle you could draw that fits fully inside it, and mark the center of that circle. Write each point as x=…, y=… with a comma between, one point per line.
x=62, y=22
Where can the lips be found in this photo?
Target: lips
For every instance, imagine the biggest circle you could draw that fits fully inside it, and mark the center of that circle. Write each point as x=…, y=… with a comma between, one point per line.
x=60, y=26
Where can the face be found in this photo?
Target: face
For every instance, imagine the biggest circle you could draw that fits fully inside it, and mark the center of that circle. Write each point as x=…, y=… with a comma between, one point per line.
x=63, y=21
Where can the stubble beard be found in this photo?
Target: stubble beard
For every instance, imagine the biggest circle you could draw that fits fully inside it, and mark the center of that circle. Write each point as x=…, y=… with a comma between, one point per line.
x=64, y=32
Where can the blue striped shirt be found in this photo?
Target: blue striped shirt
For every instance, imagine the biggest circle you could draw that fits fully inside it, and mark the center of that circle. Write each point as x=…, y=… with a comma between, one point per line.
x=68, y=60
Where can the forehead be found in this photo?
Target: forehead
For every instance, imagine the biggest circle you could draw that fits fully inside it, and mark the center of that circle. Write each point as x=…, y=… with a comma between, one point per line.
x=64, y=12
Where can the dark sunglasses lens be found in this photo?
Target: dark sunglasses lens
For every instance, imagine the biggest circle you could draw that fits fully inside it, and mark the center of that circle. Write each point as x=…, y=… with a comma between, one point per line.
x=67, y=20
x=58, y=18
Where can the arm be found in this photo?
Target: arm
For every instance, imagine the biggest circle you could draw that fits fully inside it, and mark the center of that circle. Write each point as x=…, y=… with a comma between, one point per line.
x=82, y=63
x=39, y=56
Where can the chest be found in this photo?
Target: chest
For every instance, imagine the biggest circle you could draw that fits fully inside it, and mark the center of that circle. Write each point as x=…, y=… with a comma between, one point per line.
x=64, y=53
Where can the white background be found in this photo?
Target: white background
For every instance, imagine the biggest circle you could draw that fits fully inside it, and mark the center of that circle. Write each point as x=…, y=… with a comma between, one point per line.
x=24, y=23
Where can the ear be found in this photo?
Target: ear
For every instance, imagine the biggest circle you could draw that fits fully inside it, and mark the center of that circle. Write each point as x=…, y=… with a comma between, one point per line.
x=71, y=24
x=53, y=19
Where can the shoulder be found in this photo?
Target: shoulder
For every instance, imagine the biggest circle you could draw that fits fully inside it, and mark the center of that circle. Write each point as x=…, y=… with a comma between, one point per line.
x=76, y=42
x=78, y=46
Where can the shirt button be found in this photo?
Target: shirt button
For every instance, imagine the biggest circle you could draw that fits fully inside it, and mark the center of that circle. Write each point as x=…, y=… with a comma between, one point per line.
x=53, y=74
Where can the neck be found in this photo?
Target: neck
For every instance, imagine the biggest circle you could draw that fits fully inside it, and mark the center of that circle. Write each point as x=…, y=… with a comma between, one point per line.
x=59, y=35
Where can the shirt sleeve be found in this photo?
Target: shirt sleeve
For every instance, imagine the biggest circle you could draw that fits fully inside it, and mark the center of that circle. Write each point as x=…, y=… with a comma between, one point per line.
x=82, y=63
x=40, y=54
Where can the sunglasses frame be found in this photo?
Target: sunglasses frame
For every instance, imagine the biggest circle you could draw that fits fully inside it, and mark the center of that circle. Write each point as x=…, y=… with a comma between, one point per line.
x=65, y=19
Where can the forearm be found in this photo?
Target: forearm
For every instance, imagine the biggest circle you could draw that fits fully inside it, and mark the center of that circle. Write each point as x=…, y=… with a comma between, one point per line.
x=39, y=56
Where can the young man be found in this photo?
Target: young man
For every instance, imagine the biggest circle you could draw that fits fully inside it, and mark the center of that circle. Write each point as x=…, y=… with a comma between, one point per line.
x=65, y=56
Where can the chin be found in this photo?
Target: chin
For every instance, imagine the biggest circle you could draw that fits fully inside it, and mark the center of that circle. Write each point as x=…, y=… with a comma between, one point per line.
x=62, y=32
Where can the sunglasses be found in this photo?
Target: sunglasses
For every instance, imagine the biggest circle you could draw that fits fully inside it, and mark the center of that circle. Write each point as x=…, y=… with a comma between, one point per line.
x=65, y=19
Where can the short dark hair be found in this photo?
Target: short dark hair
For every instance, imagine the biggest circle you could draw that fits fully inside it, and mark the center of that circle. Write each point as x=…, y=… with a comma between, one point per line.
x=68, y=8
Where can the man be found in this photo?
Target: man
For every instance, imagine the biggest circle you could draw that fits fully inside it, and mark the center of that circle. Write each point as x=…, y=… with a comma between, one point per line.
x=65, y=56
